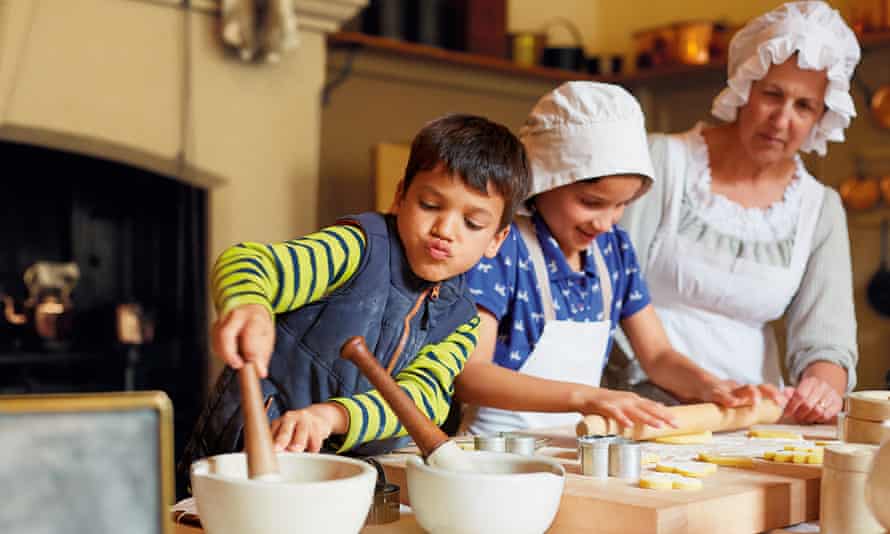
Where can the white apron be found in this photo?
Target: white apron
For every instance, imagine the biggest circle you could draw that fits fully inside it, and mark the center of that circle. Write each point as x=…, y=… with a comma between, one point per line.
x=716, y=307
x=567, y=351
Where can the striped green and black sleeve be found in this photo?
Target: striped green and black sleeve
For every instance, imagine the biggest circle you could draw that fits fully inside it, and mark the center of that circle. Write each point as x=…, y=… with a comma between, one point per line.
x=285, y=276
x=428, y=380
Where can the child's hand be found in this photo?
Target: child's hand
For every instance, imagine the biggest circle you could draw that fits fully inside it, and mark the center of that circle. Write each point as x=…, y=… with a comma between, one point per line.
x=306, y=429
x=628, y=408
x=730, y=394
x=245, y=333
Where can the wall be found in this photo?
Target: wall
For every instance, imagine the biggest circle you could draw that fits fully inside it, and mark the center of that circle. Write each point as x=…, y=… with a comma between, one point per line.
x=388, y=99
x=607, y=26
x=111, y=79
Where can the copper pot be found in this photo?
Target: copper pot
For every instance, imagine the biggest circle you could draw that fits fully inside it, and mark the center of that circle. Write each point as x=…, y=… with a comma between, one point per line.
x=878, y=102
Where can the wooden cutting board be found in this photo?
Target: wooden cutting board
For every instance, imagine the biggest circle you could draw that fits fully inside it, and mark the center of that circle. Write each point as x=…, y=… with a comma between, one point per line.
x=769, y=496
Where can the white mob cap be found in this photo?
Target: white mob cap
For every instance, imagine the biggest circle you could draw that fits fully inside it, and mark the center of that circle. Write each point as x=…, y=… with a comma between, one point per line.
x=584, y=130
x=822, y=41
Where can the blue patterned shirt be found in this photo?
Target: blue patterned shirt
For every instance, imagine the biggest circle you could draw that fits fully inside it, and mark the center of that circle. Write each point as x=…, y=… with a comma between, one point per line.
x=506, y=286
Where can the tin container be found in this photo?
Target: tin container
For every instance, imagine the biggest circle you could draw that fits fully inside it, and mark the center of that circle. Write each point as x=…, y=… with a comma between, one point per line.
x=495, y=443
x=520, y=444
x=385, y=507
x=594, y=453
x=624, y=459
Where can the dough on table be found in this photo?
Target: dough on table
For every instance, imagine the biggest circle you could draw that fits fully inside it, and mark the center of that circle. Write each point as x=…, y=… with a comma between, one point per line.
x=686, y=439
x=666, y=481
x=687, y=469
x=773, y=434
x=727, y=459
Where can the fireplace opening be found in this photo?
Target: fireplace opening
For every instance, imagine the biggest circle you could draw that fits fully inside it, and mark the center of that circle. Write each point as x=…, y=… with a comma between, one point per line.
x=117, y=275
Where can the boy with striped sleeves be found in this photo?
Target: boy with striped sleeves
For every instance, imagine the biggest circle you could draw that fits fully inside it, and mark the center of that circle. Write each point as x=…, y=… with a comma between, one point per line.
x=395, y=279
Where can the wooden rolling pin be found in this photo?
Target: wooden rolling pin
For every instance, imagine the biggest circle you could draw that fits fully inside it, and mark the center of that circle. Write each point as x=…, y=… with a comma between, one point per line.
x=691, y=419
x=434, y=445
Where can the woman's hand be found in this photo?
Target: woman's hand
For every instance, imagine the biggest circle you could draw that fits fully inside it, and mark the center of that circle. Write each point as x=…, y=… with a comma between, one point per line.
x=818, y=396
x=730, y=394
x=627, y=408
x=246, y=333
x=813, y=401
x=306, y=429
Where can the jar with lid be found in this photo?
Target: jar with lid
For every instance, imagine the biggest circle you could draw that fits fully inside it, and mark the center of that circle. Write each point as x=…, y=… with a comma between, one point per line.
x=842, y=504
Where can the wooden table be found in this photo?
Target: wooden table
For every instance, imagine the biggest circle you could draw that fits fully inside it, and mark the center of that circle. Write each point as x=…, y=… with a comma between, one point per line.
x=732, y=501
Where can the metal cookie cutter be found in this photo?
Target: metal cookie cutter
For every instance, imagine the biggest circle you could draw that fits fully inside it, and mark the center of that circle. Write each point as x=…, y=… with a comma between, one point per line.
x=385, y=507
x=594, y=453
x=521, y=444
x=493, y=443
x=625, y=459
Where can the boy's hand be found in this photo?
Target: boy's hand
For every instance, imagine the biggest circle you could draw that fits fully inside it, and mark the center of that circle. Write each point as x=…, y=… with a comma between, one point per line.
x=628, y=408
x=306, y=429
x=245, y=333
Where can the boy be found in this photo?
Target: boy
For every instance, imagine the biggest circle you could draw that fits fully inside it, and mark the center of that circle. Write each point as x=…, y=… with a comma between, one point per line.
x=566, y=277
x=395, y=279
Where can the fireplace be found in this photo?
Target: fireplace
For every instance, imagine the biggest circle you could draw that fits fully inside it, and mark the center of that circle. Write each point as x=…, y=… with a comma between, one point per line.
x=138, y=239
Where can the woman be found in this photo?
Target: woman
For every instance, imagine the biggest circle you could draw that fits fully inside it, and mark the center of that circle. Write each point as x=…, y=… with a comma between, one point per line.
x=736, y=233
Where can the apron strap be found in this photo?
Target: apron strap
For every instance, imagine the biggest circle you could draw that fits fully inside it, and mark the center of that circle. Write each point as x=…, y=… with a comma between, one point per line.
x=528, y=234
x=605, y=280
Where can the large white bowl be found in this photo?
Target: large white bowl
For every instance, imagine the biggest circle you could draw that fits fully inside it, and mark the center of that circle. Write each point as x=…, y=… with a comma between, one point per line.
x=317, y=493
x=510, y=493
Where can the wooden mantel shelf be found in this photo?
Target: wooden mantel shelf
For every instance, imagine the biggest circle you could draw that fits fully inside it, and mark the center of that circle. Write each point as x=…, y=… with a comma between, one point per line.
x=494, y=64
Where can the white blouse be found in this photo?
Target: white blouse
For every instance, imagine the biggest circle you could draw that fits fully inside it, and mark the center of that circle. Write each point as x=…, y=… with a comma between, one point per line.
x=820, y=318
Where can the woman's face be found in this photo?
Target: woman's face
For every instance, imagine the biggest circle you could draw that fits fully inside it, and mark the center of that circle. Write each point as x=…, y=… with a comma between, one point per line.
x=782, y=109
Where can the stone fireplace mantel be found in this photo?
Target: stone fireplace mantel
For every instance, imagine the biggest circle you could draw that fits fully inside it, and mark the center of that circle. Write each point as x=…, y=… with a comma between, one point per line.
x=149, y=83
x=115, y=79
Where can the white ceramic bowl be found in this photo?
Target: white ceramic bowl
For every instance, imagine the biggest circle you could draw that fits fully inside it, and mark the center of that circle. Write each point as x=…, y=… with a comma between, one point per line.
x=317, y=493
x=511, y=493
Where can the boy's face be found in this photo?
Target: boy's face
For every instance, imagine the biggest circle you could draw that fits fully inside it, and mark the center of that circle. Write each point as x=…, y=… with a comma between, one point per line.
x=578, y=212
x=446, y=226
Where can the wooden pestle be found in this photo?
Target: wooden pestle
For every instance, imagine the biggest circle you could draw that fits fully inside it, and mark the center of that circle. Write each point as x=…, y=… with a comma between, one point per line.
x=691, y=419
x=262, y=463
x=434, y=444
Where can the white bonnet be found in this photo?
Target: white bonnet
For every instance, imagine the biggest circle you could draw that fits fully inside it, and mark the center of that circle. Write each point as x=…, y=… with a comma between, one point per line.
x=584, y=130
x=822, y=40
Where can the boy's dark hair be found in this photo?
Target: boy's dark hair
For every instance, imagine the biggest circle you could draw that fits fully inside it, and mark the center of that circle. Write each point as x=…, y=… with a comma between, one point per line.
x=479, y=151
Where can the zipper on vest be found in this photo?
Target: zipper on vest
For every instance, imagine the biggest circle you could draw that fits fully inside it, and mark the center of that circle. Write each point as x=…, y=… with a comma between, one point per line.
x=433, y=293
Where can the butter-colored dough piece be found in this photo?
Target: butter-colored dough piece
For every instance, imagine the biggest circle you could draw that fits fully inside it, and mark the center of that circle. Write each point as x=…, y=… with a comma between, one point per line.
x=745, y=462
x=649, y=458
x=666, y=481
x=773, y=434
x=653, y=481
x=687, y=439
x=687, y=469
x=815, y=458
x=783, y=456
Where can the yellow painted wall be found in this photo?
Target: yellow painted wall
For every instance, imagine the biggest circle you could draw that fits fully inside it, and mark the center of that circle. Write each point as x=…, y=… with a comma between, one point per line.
x=607, y=25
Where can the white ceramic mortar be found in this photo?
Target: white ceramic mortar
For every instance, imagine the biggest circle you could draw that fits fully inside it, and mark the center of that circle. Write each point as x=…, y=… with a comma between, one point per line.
x=317, y=493
x=508, y=493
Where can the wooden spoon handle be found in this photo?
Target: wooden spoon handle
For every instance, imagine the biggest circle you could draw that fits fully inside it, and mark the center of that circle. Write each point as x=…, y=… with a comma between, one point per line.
x=261, y=459
x=425, y=433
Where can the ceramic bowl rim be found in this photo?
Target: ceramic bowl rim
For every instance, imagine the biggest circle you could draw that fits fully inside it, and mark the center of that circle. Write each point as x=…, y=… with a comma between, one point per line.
x=559, y=470
x=365, y=469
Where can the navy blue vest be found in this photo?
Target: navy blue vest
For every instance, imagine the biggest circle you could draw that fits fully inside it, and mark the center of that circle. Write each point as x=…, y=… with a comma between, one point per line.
x=306, y=367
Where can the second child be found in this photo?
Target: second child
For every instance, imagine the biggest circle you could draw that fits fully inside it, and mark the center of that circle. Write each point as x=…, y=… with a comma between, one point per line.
x=566, y=277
